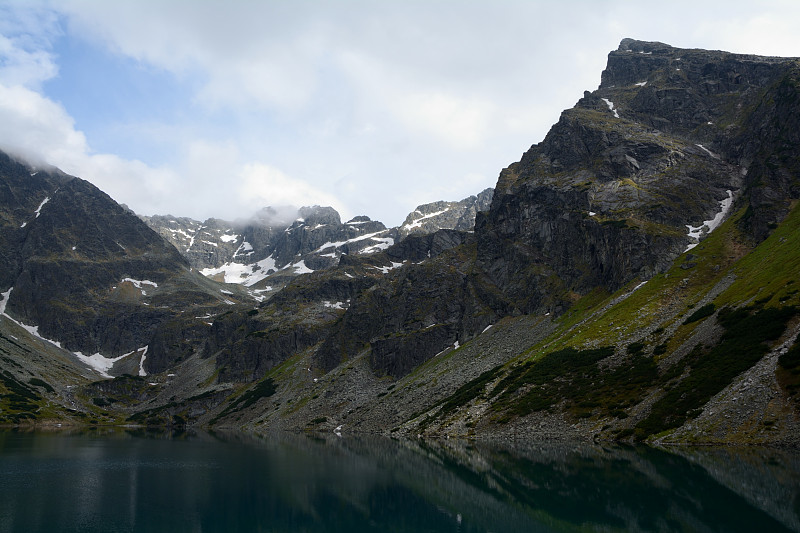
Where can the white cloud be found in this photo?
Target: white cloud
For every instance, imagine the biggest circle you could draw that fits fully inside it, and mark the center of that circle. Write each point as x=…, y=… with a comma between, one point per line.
x=36, y=127
x=768, y=33
x=261, y=185
x=26, y=31
x=41, y=131
x=378, y=106
x=461, y=123
x=246, y=53
x=22, y=67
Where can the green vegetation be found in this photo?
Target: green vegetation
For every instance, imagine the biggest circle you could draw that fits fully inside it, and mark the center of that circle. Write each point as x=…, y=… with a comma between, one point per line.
x=789, y=371
x=171, y=414
x=589, y=384
x=577, y=377
x=36, y=382
x=770, y=269
x=560, y=373
x=705, y=311
x=19, y=402
x=263, y=389
x=469, y=391
x=711, y=370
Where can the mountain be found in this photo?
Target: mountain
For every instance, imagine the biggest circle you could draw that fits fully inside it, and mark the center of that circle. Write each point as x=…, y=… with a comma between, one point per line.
x=277, y=244
x=85, y=280
x=429, y=218
x=623, y=260
x=633, y=278
x=237, y=251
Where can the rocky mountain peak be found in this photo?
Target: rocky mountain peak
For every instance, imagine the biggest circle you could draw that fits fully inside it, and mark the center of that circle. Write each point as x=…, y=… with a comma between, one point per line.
x=282, y=242
x=316, y=215
x=431, y=217
x=84, y=271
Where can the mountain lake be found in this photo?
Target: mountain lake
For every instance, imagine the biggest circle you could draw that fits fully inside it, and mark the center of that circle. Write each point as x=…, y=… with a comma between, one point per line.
x=136, y=480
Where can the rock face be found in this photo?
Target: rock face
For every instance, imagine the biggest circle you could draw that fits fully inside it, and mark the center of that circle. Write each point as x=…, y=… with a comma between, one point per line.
x=741, y=108
x=609, y=193
x=674, y=145
x=204, y=244
x=84, y=270
x=275, y=244
x=625, y=182
x=630, y=178
x=429, y=218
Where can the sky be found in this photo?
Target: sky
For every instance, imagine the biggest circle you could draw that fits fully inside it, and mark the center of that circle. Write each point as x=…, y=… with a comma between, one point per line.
x=205, y=108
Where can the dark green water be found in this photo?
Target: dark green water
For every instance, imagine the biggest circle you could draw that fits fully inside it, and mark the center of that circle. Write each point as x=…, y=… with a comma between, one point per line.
x=128, y=481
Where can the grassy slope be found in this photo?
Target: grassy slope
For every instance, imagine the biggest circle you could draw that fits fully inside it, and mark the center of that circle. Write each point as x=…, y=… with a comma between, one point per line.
x=665, y=366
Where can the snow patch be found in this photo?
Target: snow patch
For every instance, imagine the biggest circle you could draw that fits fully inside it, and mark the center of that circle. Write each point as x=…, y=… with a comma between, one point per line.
x=335, y=305
x=223, y=291
x=98, y=362
x=191, y=240
x=386, y=269
x=385, y=242
x=697, y=232
x=228, y=238
x=241, y=273
x=418, y=222
x=6, y=295
x=610, y=105
x=257, y=294
x=34, y=330
x=142, y=371
x=592, y=213
x=244, y=249
x=338, y=244
x=709, y=152
x=301, y=268
x=138, y=284
x=487, y=328
x=180, y=231
x=41, y=205
x=641, y=83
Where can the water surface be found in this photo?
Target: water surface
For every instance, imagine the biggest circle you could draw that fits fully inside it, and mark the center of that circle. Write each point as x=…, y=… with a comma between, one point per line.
x=139, y=481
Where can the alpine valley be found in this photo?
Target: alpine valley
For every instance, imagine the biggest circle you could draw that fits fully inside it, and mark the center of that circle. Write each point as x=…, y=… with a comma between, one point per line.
x=634, y=276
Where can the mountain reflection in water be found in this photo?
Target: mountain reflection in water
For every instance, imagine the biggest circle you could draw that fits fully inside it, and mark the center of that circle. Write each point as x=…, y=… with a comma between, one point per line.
x=140, y=481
